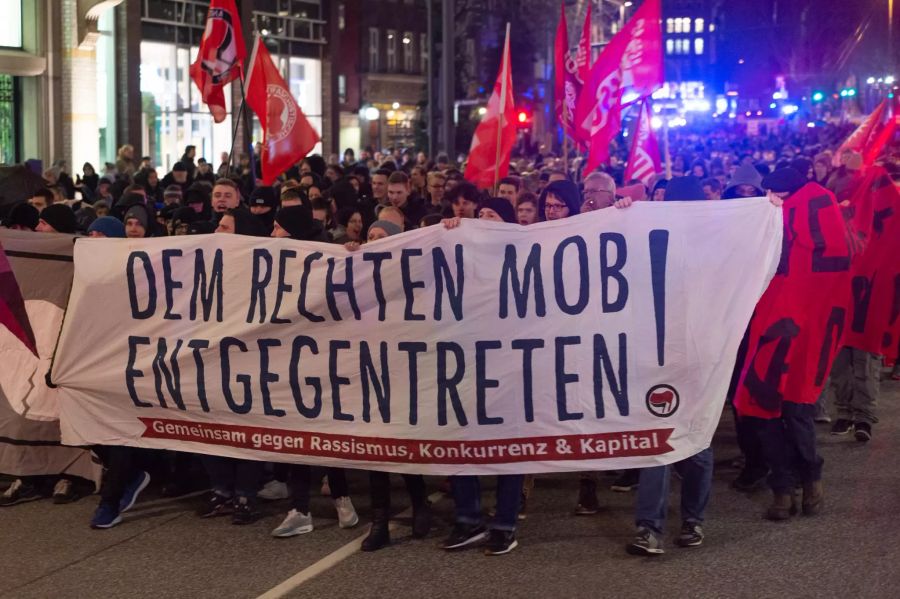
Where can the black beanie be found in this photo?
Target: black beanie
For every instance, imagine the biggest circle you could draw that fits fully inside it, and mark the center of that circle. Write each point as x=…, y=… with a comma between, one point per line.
x=60, y=217
x=501, y=207
x=23, y=214
x=298, y=221
x=682, y=189
x=264, y=195
x=787, y=179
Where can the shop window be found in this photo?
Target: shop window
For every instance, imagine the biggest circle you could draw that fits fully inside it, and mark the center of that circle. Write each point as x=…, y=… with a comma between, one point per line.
x=698, y=46
x=698, y=25
x=8, y=120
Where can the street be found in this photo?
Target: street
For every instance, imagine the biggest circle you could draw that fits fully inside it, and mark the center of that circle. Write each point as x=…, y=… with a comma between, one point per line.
x=163, y=550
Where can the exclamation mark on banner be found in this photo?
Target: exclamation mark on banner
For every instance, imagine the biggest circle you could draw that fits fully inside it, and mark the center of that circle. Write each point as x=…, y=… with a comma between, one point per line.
x=659, y=248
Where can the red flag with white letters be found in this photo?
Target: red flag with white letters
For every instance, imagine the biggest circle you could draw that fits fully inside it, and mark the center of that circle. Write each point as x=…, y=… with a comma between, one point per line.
x=632, y=64
x=571, y=71
x=287, y=135
x=643, y=161
x=488, y=162
x=221, y=55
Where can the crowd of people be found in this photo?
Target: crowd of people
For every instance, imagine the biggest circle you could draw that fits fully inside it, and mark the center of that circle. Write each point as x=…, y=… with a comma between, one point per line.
x=353, y=200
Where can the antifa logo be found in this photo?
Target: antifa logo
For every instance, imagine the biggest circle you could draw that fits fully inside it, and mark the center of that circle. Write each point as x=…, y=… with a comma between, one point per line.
x=662, y=400
x=221, y=48
x=281, y=113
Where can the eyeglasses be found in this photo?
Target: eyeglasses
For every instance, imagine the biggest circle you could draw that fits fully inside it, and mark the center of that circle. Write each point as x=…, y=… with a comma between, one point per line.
x=549, y=206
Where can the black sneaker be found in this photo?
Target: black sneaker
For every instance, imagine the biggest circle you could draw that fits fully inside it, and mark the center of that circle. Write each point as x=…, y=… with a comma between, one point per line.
x=645, y=543
x=628, y=481
x=501, y=542
x=691, y=535
x=842, y=426
x=244, y=512
x=587, y=498
x=748, y=481
x=464, y=535
x=216, y=505
x=862, y=431
x=19, y=492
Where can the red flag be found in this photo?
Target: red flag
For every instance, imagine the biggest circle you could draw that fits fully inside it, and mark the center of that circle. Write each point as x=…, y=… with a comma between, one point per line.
x=496, y=134
x=643, y=160
x=631, y=62
x=287, y=135
x=570, y=70
x=874, y=311
x=861, y=136
x=221, y=55
x=796, y=329
x=12, y=307
x=873, y=150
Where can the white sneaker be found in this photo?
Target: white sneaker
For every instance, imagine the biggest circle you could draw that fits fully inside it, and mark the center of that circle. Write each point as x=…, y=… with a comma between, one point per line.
x=347, y=517
x=296, y=523
x=273, y=491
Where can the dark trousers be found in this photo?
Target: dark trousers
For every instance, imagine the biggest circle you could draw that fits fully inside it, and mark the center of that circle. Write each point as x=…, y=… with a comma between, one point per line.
x=789, y=444
x=300, y=477
x=750, y=443
x=230, y=476
x=467, y=496
x=380, y=489
x=121, y=466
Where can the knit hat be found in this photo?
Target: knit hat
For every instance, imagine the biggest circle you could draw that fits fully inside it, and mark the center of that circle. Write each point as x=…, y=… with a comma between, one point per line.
x=502, y=207
x=802, y=165
x=684, y=189
x=264, y=195
x=140, y=213
x=109, y=226
x=745, y=175
x=23, y=214
x=784, y=180
x=60, y=217
x=386, y=226
x=298, y=221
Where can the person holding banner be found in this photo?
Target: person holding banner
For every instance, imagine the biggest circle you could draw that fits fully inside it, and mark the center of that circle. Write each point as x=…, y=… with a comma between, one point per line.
x=235, y=482
x=297, y=222
x=380, y=482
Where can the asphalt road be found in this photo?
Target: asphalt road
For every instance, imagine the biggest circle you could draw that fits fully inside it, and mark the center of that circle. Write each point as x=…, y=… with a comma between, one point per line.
x=163, y=550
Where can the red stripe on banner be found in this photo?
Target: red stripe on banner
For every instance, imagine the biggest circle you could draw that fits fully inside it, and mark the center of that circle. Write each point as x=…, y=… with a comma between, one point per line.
x=375, y=449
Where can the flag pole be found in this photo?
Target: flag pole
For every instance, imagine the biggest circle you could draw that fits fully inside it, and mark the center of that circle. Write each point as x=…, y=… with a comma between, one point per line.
x=240, y=113
x=505, y=64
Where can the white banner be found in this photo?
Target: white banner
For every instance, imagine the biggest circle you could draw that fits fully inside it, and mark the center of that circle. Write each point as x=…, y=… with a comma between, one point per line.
x=601, y=341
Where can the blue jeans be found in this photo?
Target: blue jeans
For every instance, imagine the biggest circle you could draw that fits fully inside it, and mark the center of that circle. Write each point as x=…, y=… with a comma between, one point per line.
x=467, y=496
x=653, y=491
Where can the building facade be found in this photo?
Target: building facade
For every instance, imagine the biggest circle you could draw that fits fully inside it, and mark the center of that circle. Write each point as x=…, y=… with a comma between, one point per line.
x=380, y=54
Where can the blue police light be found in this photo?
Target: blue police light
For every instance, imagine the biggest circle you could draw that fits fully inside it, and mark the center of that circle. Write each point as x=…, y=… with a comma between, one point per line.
x=818, y=97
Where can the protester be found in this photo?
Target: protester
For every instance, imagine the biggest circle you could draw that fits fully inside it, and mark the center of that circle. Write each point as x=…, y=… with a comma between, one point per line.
x=57, y=218
x=106, y=226
x=527, y=210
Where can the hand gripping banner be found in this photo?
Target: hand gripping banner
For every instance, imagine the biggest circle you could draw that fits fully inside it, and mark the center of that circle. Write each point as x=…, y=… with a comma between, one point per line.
x=602, y=341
